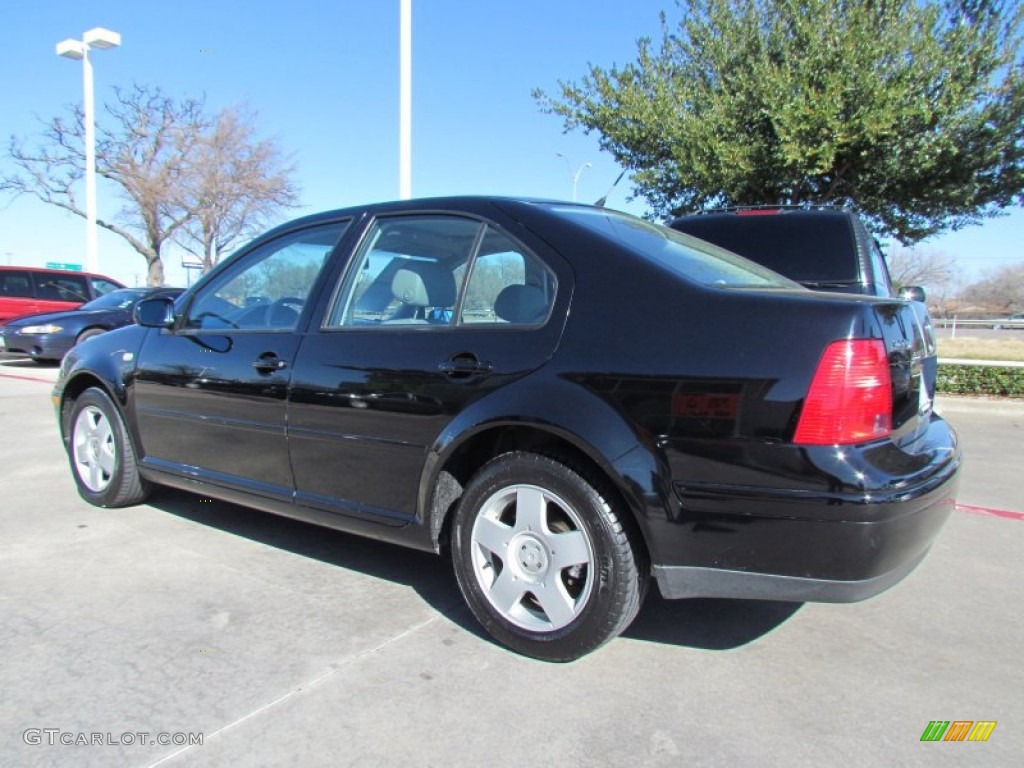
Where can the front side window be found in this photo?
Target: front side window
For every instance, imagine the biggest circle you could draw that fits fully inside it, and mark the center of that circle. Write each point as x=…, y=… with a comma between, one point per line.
x=267, y=289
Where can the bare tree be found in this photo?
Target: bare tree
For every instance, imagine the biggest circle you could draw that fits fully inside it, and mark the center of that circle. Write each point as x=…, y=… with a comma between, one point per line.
x=1002, y=290
x=174, y=167
x=234, y=186
x=933, y=270
x=142, y=148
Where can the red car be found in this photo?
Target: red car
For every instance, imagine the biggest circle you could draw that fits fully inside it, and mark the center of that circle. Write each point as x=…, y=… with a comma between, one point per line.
x=28, y=290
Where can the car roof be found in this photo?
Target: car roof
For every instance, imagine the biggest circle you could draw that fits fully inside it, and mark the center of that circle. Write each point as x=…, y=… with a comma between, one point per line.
x=416, y=204
x=47, y=271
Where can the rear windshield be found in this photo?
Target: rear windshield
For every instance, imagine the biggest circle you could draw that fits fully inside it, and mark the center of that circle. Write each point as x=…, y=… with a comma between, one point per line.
x=684, y=255
x=804, y=248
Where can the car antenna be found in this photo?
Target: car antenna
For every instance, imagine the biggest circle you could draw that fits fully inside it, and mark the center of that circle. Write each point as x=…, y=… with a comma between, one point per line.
x=604, y=198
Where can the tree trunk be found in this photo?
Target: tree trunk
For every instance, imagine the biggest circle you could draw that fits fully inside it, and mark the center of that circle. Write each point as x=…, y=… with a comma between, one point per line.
x=155, y=278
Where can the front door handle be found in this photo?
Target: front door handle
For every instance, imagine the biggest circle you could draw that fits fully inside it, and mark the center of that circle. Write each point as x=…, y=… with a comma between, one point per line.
x=269, y=362
x=464, y=366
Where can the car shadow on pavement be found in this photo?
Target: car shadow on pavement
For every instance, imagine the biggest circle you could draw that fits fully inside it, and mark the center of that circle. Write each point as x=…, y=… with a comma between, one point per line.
x=430, y=576
x=709, y=624
x=699, y=623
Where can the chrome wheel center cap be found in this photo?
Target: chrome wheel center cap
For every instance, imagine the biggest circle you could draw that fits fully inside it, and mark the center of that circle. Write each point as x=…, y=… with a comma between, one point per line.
x=530, y=555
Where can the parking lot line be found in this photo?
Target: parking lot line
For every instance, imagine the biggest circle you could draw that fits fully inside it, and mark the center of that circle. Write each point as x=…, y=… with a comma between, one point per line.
x=990, y=512
x=25, y=378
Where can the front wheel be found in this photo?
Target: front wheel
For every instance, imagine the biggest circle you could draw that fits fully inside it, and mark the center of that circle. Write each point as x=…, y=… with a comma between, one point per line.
x=543, y=560
x=102, y=456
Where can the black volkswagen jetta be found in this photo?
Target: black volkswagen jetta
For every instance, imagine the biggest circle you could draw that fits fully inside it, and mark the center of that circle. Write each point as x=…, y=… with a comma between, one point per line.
x=565, y=400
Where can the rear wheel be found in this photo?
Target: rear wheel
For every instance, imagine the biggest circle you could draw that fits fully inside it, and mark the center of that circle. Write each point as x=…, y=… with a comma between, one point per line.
x=543, y=560
x=102, y=457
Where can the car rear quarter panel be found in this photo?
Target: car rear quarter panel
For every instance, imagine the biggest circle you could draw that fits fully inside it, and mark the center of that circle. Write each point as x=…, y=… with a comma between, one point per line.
x=711, y=382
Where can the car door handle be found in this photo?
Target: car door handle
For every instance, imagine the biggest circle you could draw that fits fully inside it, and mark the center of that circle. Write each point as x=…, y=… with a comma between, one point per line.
x=464, y=366
x=268, y=363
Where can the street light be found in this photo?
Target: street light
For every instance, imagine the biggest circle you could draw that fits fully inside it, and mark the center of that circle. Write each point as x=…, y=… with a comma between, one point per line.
x=101, y=38
x=576, y=175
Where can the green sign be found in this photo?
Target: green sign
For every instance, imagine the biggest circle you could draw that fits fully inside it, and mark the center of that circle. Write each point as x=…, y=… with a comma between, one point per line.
x=68, y=267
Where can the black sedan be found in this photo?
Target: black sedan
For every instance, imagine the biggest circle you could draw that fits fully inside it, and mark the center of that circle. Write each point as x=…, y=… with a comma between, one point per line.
x=48, y=336
x=564, y=400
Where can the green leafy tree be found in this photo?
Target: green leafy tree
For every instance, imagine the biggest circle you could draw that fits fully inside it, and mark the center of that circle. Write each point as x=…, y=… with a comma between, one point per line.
x=911, y=111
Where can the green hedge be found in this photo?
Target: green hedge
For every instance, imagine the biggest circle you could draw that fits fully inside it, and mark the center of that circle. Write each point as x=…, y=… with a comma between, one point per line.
x=980, y=380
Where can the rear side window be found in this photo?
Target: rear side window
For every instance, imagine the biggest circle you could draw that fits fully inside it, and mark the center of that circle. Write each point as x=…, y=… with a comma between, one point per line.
x=15, y=285
x=808, y=249
x=102, y=287
x=690, y=258
x=507, y=285
x=437, y=270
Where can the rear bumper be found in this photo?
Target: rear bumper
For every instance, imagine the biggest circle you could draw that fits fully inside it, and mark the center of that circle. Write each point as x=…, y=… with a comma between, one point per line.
x=838, y=543
x=676, y=582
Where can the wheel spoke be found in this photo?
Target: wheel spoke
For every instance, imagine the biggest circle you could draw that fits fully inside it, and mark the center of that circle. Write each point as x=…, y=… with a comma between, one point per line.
x=492, y=536
x=559, y=607
x=106, y=460
x=81, y=450
x=531, y=510
x=567, y=549
x=506, y=593
x=103, y=432
x=95, y=476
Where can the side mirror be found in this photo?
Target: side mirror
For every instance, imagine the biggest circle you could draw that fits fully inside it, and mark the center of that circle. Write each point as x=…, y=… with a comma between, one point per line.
x=912, y=292
x=157, y=312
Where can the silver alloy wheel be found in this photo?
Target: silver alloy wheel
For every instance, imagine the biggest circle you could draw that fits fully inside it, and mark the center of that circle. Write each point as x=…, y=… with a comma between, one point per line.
x=532, y=557
x=94, y=451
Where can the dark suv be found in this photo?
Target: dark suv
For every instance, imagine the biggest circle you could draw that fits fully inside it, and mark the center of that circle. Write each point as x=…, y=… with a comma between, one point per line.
x=826, y=249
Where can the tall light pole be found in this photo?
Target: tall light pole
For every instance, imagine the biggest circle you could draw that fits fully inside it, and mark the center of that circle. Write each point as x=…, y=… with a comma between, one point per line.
x=101, y=38
x=405, y=102
x=575, y=175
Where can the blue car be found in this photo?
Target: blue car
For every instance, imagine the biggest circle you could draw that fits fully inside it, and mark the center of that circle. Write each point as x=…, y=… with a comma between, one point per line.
x=48, y=336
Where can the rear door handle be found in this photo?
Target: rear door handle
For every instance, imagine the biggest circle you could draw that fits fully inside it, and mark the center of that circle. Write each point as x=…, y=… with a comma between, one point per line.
x=269, y=362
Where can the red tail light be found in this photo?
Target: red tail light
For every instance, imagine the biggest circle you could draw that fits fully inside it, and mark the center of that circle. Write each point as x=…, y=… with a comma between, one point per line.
x=850, y=399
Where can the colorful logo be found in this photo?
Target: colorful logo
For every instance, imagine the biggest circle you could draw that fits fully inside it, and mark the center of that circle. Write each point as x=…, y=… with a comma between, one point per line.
x=958, y=730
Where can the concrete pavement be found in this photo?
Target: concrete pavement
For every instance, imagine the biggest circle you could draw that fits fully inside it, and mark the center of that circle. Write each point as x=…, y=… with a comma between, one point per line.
x=285, y=644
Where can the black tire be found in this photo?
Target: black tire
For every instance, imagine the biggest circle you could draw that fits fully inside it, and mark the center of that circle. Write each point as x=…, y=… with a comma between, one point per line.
x=102, y=457
x=89, y=333
x=554, y=590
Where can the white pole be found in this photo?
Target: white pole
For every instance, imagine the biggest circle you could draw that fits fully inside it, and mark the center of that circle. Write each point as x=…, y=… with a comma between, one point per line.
x=405, y=103
x=92, y=249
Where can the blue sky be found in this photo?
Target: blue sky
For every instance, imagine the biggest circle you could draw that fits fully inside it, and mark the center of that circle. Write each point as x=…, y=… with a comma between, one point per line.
x=323, y=77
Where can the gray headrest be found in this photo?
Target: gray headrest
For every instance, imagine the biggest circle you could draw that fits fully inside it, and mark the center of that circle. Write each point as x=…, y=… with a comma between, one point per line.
x=424, y=284
x=523, y=304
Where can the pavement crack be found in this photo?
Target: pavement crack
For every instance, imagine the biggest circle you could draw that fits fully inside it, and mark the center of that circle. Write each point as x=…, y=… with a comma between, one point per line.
x=300, y=689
